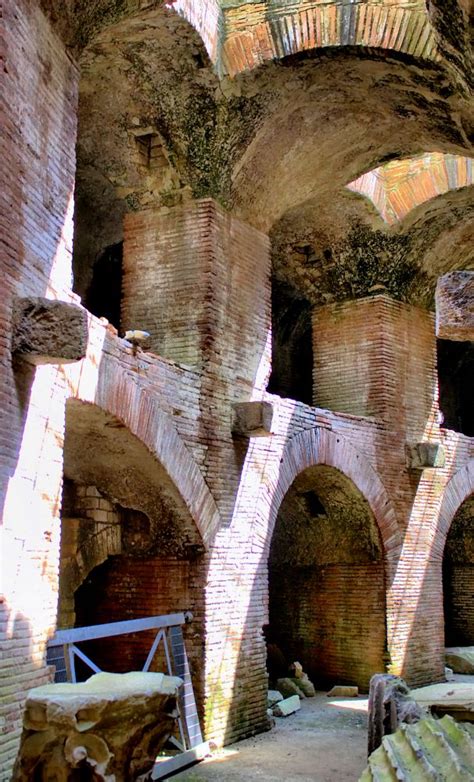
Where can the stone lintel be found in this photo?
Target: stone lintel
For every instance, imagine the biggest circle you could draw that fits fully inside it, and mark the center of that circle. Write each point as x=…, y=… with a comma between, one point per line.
x=455, y=306
x=421, y=456
x=47, y=331
x=253, y=419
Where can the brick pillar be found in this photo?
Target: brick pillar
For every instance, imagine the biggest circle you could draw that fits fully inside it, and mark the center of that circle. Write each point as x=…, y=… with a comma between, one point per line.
x=198, y=280
x=376, y=357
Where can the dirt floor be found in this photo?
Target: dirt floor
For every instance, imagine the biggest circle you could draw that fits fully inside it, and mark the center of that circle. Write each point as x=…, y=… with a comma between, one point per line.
x=326, y=741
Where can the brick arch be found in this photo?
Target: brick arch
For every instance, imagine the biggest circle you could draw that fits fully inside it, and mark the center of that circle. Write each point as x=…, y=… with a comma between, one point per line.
x=273, y=32
x=139, y=410
x=457, y=490
x=79, y=27
x=321, y=446
x=400, y=186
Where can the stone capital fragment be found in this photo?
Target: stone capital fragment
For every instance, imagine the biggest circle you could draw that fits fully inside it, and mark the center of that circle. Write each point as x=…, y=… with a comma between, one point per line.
x=422, y=456
x=47, y=331
x=253, y=419
x=455, y=306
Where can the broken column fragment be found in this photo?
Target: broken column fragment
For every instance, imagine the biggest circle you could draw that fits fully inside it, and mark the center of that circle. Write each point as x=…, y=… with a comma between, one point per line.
x=287, y=706
x=455, y=306
x=109, y=728
x=429, y=749
x=390, y=704
x=47, y=331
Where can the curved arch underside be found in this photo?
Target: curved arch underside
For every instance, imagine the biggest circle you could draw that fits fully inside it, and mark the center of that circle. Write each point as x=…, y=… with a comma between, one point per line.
x=99, y=450
x=400, y=186
x=321, y=447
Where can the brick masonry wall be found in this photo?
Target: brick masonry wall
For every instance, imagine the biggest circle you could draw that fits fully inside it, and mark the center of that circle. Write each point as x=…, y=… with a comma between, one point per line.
x=38, y=117
x=332, y=620
x=183, y=414
x=209, y=275
x=459, y=605
x=90, y=532
x=376, y=357
x=131, y=588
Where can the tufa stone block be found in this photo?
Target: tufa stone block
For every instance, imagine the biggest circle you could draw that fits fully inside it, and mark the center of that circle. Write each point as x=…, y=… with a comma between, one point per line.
x=288, y=687
x=460, y=659
x=47, y=331
x=343, y=691
x=253, y=419
x=287, y=706
x=455, y=306
x=422, y=456
x=274, y=696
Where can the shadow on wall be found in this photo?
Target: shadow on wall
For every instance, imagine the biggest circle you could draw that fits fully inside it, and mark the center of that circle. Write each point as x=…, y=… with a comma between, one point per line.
x=314, y=559
x=326, y=581
x=337, y=544
x=18, y=649
x=292, y=345
x=456, y=385
x=458, y=577
x=129, y=546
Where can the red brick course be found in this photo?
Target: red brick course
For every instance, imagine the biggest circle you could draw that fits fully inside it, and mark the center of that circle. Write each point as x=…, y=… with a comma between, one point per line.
x=210, y=321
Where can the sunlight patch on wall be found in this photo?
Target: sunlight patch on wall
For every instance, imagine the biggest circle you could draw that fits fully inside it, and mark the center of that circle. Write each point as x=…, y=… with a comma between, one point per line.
x=398, y=187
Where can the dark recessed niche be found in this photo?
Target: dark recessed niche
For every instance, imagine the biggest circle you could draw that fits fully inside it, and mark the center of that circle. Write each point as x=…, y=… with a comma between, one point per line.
x=292, y=347
x=456, y=385
x=104, y=295
x=313, y=504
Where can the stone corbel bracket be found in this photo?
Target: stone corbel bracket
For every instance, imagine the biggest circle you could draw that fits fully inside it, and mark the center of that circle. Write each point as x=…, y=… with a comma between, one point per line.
x=47, y=331
x=455, y=306
x=422, y=456
x=252, y=419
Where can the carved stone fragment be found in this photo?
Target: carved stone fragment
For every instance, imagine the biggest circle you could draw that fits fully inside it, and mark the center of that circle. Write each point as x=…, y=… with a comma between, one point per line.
x=390, y=703
x=421, y=456
x=47, y=331
x=109, y=728
x=253, y=419
x=455, y=306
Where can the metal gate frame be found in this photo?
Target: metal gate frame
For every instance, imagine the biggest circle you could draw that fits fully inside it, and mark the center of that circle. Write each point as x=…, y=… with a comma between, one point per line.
x=62, y=652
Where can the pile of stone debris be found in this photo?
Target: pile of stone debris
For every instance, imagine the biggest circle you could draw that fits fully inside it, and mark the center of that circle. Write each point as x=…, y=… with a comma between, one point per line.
x=285, y=698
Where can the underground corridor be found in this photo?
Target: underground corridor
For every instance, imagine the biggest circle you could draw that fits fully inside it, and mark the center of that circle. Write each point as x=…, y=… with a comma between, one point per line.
x=326, y=583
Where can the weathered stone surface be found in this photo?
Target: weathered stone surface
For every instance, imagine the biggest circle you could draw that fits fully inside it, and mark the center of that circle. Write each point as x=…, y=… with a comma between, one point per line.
x=421, y=456
x=455, y=698
x=390, y=704
x=274, y=696
x=340, y=691
x=253, y=419
x=110, y=726
x=460, y=659
x=455, y=306
x=287, y=706
x=48, y=331
x=288, y=686
x=305, y=686
x=430, y=749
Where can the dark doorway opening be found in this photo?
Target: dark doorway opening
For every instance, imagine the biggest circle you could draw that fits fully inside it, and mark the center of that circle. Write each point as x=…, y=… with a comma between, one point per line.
x=456, y=385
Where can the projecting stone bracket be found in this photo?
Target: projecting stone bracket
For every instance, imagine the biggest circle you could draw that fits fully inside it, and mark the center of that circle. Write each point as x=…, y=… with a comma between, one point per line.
x=252, y=419
x=422, y=456
x=47, y=331
x=455, y=306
